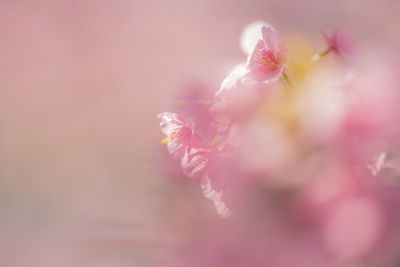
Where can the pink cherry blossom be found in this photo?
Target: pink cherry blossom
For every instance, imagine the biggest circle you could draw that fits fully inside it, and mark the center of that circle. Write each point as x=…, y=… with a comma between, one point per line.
x=179, y=132
x=268, y=58
x=343, y=43
x=184, y=144
x=292, y=171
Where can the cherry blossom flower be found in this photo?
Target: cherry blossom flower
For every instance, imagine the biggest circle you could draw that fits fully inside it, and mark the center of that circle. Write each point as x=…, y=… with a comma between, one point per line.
x=341, y=42
x=194, y=158
x=184, y=144
x=291, y=171
x=179, y=132
x=267, y=61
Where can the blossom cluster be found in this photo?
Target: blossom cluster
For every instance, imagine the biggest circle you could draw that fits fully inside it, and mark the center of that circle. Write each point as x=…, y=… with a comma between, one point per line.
x=303, y=150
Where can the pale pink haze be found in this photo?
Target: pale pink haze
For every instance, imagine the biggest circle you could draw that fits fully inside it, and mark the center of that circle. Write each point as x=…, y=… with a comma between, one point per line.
x=268, y=59
x=340, y=236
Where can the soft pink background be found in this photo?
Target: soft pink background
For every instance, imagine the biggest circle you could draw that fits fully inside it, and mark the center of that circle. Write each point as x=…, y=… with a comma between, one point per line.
x=81, y=83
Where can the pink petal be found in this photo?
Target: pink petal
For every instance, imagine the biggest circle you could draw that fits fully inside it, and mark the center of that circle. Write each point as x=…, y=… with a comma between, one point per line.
x=267, y=60
x=170, y=122
x=194, y=163
x=238, y=97
x=173, y=147
x=214, y=196
x=344, y=43
x=272, y=39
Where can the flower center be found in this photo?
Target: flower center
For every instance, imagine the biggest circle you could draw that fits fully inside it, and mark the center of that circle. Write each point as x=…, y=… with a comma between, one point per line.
x=267, y=59
x=177, y=135
x=180, y=133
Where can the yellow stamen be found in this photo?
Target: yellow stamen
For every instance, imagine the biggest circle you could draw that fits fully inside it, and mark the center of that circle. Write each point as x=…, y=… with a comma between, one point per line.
x=165, y=140
x=219, y=142
x=216, y=140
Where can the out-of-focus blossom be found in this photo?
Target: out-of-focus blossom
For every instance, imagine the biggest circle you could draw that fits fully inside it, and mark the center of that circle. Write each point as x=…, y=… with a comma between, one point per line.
x=340, y=235
x=238, y=96
x=265, y=148
x=298, y=164
x=372, y=101
x=267, y=61
x=321, y=106
x=343, y=43
x=377, y=164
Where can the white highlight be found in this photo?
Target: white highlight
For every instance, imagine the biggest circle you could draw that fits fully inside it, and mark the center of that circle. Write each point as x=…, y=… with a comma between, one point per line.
x=250, y=36
x=214, y=196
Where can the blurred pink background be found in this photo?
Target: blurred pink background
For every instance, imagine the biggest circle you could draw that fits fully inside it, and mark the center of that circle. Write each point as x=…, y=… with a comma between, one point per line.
x=81, y=83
